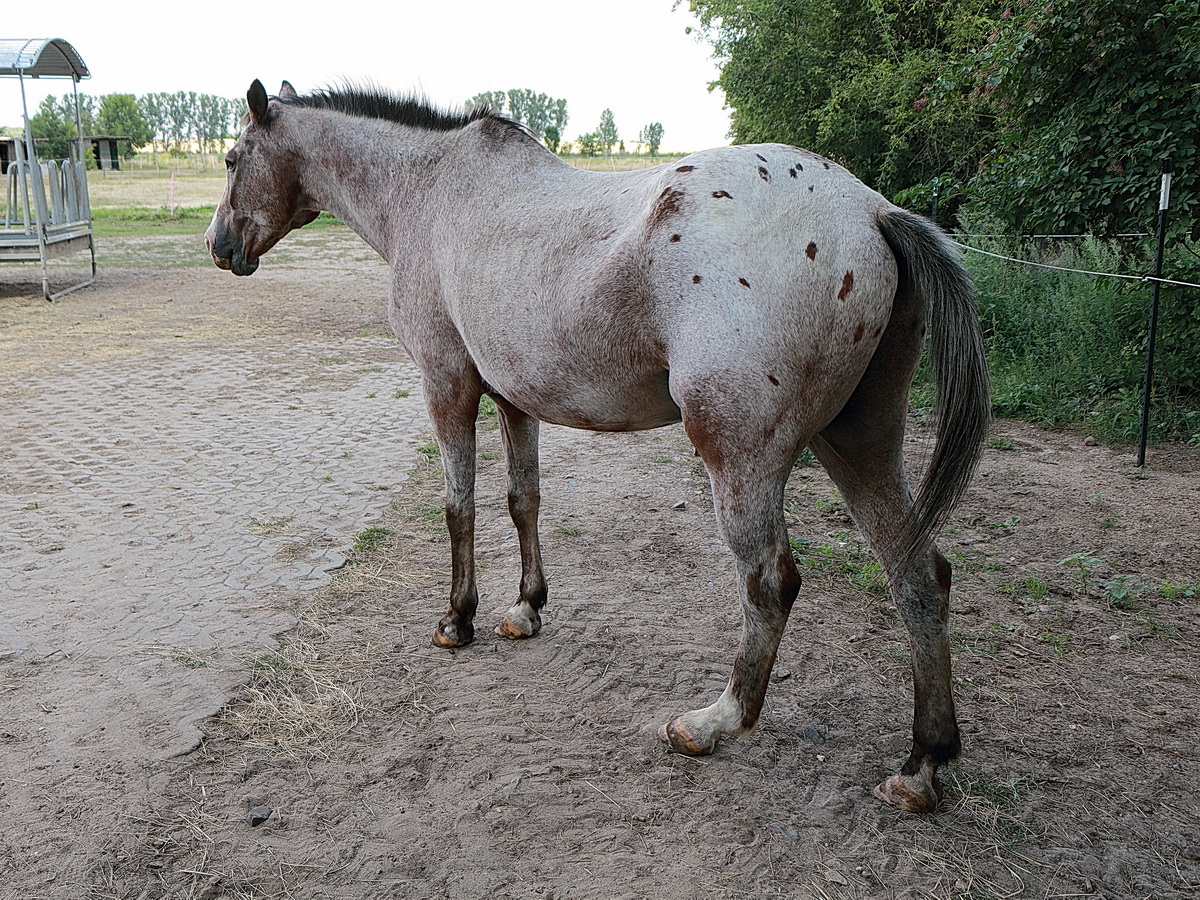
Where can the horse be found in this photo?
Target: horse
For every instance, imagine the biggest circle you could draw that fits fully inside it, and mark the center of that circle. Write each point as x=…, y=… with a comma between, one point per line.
x=761, y=295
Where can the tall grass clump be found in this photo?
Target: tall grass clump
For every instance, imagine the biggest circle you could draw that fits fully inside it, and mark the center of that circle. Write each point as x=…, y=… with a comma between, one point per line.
x=1069, y=349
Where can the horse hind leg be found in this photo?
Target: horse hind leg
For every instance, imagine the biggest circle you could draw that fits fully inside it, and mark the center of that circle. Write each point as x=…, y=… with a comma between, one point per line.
x=750, y=515
x=519, y=432
x=868, y=470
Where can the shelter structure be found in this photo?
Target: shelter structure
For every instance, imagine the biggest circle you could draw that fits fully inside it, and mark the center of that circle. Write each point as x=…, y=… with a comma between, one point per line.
x=46, y=212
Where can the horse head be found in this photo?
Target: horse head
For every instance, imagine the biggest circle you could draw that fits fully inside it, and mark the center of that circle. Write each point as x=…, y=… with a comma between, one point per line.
x=264, y=198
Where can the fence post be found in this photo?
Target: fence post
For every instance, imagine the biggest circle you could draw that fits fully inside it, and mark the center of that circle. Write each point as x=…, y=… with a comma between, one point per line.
x=1164, y=200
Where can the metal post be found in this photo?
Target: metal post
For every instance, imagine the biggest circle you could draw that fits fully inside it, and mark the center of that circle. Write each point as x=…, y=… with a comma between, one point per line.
x=1164, y=201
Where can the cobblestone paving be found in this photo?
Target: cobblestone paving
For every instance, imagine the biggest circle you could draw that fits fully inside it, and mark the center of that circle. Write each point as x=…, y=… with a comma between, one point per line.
x=149, y=505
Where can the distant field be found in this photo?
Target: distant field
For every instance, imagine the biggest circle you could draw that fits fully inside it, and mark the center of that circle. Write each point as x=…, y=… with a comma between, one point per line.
x=192, y=186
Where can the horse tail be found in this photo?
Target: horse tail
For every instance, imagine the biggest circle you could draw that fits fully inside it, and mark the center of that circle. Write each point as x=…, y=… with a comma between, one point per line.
x=930, y=268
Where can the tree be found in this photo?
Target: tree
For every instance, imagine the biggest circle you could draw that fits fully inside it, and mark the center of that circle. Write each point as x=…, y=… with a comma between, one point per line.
x=553, y=138
x=854, y=80
x=651, y=135
x=1091, y=94
x=119, y=115
x=52, y=131
x=607, y=133
x=537, y=112
x=590, y=144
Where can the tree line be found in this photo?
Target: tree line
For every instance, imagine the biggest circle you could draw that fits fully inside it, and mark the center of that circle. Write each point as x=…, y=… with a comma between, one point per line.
x=174, y=121
x=171, y=121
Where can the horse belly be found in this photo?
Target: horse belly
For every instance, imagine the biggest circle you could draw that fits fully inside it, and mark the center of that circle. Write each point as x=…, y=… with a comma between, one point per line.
x=593, y=398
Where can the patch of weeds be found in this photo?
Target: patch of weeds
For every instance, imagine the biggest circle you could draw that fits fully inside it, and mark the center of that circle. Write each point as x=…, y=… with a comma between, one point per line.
x=291, y=406
x=1084, y=563
x=270, y=524
x=489, y=416
x=1178, y=590
x=1000, y=444
x=1060, y=642
x=991, y=800
x=275, y=663
x=1108, y=522
x=806, y=459
x=1121, y=592
x=366, y=369
x=430, y=450
x=570, y=530
x=845, y=557
x=401, y=393
x=490, y=454
x=188, y=659
x=1155, y=628
x=29, y=507
x=371, y=395
x=1035, y=588
x=1008, y=525
x=382, y=487
x=331, y=360
x=834, y=506
x=369, y=538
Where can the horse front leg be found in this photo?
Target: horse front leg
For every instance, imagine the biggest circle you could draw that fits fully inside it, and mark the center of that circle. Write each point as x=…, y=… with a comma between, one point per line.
x=520, y=434
x=750, y=516
x=452, y=410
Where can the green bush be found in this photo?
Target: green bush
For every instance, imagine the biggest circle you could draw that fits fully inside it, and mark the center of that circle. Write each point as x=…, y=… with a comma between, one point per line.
x=1069, y=349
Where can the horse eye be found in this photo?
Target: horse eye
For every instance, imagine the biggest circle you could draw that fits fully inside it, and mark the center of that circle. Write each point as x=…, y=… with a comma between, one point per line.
x=229, y=163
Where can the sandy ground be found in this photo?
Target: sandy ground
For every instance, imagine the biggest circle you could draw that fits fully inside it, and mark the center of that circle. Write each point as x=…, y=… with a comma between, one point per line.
x=222, y=717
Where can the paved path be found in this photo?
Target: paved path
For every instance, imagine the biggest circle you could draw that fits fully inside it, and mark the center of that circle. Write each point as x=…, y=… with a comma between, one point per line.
x=149, y=505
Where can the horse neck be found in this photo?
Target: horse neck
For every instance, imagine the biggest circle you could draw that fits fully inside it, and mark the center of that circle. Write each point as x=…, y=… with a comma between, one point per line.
x=383, y=180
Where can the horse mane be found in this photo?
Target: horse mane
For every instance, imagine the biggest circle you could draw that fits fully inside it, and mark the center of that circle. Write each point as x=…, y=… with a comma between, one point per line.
x=372, y=102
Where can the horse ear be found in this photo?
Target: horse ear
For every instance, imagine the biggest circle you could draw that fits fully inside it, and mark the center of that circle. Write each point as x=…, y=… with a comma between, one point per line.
x=286, y=91
x=256, y=98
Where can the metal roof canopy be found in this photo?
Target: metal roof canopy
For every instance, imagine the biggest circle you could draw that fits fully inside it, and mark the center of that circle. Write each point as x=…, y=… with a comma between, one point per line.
x=39, y=57
x=48, y=58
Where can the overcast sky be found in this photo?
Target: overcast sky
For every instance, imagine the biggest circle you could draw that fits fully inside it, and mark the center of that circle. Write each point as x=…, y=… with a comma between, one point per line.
x=633, y=56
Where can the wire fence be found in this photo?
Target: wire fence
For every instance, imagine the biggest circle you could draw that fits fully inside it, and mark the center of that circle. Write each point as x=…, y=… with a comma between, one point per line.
x=1145, y=279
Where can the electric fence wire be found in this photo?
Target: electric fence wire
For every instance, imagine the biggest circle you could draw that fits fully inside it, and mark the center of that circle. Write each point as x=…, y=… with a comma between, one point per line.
x=1026, y=262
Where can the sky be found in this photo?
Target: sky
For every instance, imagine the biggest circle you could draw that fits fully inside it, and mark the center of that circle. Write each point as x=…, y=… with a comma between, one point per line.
x=632, y=56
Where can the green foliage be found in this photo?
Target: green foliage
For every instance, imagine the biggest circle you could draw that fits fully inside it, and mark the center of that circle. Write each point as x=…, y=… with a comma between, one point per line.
x=537, y=112
x=590, y=144
x=651, y=135
x=855, y=82
x=1090, y=95
x=1069, y=349
x=120, y=116
x=606, y=132
x=52, y=129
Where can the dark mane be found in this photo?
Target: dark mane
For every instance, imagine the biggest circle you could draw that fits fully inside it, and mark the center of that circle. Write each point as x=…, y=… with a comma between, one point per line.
x=378, y=103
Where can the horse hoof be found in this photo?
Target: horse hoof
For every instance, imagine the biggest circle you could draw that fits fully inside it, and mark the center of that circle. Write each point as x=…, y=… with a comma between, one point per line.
x=448, y=635
x=680, y=740
x=908, y=793
x=519, y=622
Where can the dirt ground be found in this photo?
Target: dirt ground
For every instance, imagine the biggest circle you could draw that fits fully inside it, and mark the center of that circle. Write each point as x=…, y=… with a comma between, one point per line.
x=354, y=760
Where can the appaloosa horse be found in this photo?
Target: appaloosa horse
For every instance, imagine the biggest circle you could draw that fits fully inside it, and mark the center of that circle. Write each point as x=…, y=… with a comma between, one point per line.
x=759, y=294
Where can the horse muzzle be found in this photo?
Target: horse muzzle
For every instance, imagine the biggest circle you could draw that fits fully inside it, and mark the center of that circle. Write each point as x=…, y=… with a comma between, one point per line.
x=229, y=255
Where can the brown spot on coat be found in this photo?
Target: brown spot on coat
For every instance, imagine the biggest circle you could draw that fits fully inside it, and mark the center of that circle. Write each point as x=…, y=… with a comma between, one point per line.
x=760, y=156
x=773, y=380
x=793, y=173
x=668, y=204
x=675, y=238
x=810, y=187
x=686, y=169
x=696, y=279
x=858, y=332
x=764, y=174
x=743, y=282
x=847, y=285
x=719, y=194
x=811, y=250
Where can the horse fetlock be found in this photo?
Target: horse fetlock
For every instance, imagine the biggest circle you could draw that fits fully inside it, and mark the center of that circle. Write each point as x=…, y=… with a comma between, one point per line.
x=520, y=621
x=451, y=634
x=917, y=793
